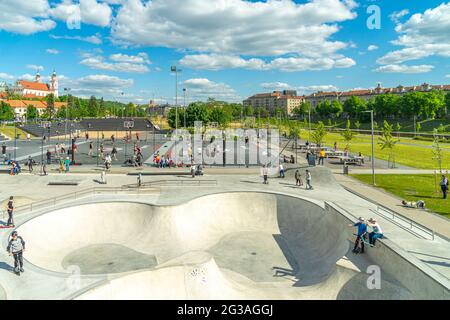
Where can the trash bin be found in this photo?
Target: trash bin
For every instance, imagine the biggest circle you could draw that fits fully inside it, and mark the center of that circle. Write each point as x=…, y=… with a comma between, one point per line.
x=345, y=169
x=312, y=160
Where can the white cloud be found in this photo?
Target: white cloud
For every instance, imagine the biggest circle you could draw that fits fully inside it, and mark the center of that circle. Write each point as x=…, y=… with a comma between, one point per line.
x=52, y=51
x=99, y=85
x=141, y=57
x=202, y=89
x=276, y=85
x=300, y=89
x=291, y=64
x=119, y=62
x=86, y=11
x=25, y=17
x=396, y=68
x=397, y=15
x=221, y=32
x=6, y=76
x=94, y=39
x=422, y=35
x=219, y=62
x=447, y=75
x=28, y=77
x=372, y=47
x=35, y=67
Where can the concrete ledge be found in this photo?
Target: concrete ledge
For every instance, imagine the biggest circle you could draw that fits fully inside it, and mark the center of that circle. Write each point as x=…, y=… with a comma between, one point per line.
x=63, y=183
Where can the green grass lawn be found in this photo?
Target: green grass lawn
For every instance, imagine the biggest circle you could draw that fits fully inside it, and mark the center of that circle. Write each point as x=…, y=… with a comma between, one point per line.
x=9, y=131
x=413, y=156
x=412, y=188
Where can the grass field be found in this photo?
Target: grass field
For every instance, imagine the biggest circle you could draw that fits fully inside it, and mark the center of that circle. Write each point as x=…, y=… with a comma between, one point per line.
x=9, y=131
x=418, y=156
x=412, y=188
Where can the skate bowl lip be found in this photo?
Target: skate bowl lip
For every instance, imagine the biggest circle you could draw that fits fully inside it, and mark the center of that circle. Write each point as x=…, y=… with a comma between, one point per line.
x=109, y=276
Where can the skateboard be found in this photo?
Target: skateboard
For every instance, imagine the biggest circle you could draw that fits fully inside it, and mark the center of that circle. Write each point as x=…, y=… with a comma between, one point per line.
x=6, y=227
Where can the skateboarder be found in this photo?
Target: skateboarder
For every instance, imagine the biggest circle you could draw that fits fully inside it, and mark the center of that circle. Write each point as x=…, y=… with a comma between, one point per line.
x=361, y=234
x=90, y=149
x=10, y=210
x=16, y=247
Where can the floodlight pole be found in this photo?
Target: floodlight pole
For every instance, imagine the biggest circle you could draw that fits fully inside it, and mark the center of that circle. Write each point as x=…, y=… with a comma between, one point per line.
x=373, y=148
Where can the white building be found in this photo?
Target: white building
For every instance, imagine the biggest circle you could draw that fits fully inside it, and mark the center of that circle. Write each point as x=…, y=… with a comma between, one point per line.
x=37, y=89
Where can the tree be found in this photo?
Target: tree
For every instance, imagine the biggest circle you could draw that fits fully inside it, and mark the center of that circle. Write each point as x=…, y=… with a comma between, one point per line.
x=221, y=116
x=197, y=111
x=418, y=127
x=93, y=107
x=398, y=127
x=354, y=106
x=302, y=109
x=101, y=109
x=50, y=111
x=437, y=150
x=32, y=112
x=261, y=112
x=319, y=134
x=386, y=105
x=248, y=111
x=357, y=125
x=386, y=141
x=6, y=112
x=348, y=134
x=171, y=119
x=447, y=103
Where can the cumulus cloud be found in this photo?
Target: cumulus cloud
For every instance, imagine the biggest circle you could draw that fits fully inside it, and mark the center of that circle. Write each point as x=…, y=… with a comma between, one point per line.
x=422, y=35
x=222, y=32
x=35, y=67
x=372, y=47
x=291, y=64
x=202, y=89
x=300, y=89
x=118, y=62
x=401, y=68
x=99, y=85
x=397, y=15
x=25, y=17
x=86, y=11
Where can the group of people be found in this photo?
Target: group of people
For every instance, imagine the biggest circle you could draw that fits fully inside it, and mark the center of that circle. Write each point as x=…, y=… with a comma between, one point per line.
x=370, y=229
x=163, y=161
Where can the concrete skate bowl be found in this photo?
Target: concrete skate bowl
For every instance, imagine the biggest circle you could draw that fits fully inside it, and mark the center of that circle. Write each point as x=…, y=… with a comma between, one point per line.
x=228, y=245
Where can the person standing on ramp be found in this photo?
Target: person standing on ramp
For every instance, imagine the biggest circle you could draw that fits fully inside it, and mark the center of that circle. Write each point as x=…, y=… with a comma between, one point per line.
x=16, y=247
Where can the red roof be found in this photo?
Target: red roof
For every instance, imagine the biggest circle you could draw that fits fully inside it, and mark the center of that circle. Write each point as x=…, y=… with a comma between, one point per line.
x=3, y=95
x=33, y=85
x=38, y=104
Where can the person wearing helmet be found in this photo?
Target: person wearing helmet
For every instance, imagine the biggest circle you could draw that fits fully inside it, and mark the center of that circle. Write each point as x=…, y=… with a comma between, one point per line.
x=16, y=247
x=361, y=234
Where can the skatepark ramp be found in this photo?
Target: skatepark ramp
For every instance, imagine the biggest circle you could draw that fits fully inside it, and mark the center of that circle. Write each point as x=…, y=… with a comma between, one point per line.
x=232, y=245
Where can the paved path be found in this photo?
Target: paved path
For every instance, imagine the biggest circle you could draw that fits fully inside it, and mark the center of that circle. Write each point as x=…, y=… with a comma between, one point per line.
x=386, y=171
x=433, y=221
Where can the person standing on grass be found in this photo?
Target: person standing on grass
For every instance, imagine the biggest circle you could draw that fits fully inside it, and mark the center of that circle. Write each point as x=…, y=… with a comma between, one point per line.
x=444, y=186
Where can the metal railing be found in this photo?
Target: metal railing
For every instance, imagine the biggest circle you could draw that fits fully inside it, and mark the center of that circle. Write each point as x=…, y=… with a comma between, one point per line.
x=397, y=218
x=52, y=202
x=404, y=222
x=189, y=182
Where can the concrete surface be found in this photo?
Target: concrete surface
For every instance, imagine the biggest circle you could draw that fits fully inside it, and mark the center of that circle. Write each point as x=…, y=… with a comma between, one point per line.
x=239, y=239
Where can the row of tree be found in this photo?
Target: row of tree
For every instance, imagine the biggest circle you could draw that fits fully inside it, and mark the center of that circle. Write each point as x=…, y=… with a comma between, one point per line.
x=423, y=105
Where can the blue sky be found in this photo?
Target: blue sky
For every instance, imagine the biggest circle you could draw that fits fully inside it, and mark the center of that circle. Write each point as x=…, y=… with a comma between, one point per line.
x=227, y=49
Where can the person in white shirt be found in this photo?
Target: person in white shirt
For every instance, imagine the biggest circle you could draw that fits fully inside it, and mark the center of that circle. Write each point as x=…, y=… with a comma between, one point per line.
x=308, y=180
x=281, y=171
x=376, y=233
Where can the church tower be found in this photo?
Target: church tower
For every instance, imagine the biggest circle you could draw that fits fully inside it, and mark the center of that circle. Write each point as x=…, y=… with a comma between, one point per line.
x=38, y=77
x=54, y=84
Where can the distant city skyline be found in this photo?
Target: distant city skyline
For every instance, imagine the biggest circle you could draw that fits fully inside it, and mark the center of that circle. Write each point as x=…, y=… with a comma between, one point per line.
x=228, y=50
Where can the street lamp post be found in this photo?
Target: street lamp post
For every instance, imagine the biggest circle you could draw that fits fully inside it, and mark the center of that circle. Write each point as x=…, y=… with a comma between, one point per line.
x=15, y=138
x=309, y=120
x=184, y=106
x=176, y=70
x=373, y=148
